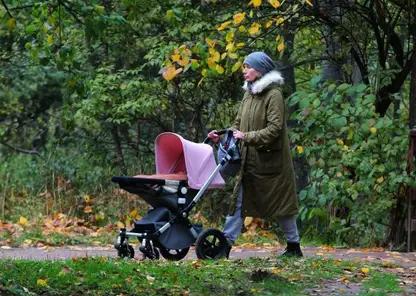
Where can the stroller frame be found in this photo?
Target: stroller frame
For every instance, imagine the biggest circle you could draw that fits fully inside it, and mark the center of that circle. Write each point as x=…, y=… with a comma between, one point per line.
x=149, y=234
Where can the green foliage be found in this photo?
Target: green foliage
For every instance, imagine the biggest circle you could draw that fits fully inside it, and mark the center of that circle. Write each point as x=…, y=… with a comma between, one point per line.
x=357, y=162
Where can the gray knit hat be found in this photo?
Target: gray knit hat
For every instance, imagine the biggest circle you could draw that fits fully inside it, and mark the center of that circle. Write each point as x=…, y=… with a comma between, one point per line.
x=260, y=61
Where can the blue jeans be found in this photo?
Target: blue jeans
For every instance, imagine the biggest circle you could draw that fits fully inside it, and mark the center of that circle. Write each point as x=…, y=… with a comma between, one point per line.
x=234, y=224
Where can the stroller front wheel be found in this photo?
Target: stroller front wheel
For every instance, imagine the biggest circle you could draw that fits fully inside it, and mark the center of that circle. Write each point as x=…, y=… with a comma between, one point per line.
x=173, y=254
x=211, y=244
x=126, y=251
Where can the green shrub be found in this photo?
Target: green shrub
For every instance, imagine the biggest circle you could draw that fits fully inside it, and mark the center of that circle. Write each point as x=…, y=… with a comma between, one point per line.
x=357, y=162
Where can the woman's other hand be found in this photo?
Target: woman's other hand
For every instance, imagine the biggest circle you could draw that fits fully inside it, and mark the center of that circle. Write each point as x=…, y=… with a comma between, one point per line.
x=238, y=134
x=214, y=136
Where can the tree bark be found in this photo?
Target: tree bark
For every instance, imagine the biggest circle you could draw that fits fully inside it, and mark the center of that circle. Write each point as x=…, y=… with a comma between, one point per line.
x=119, y=150
x=412, y=96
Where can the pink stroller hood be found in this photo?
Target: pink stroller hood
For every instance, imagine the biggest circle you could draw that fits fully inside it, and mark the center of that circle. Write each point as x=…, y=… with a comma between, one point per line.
x=175, y=155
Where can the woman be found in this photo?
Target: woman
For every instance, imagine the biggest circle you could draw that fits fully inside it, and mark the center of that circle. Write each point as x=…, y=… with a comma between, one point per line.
x=265, y=186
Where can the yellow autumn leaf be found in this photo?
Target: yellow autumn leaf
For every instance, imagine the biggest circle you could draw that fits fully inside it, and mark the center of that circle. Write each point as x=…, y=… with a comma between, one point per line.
x=224, y=55
x=204, y=73
x=217, y=57
x=279, y=21
x=230, y=36
x=219, y=69
x=224, y=26
x=269, y=235
x=236, y=66
x=255, y=3
x=230, y=46
x=277, y=38
x=309, y=2
x=171, y=72
x=275, y=270
x=175, y=57
x=233, y=56
x=120, y=224
x=184, y=62
x=238, y=18
x=88, y=209
x=87, y=198
x=373, y=130
x=380, y=180
x=300, y=149
x=365, y=270
x=268, y=24
x=11, y=24
x=210, y=42
x=242, y=29
x=241, y=44
x=23, y=221
x=133, y=213
x=281, y=46
x=254, y=29
x=345, y=147
x=42, y=283
x=340, y=142
x=274, y=3
x=248, y=221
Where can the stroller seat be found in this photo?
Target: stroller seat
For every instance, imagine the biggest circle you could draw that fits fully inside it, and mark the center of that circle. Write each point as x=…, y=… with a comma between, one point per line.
x=174, y=177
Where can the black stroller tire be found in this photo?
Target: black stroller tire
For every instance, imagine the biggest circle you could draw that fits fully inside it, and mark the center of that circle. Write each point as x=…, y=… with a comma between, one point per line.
x=173, y=254
x=126, y=252
x=211, y=244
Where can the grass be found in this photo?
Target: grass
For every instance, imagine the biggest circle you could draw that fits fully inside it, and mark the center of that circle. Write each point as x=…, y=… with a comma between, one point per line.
x=255, y=276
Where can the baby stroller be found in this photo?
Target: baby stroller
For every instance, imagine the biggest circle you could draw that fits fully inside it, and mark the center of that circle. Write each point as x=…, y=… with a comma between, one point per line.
x=184, y=171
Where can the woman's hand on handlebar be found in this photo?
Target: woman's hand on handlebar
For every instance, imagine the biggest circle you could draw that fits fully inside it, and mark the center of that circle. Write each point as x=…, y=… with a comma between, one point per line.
x=238, y=135
x=214, y=136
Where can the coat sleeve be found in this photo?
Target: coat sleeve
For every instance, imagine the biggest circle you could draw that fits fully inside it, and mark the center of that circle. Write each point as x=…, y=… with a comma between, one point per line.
x=237, y=120
x=274, y=123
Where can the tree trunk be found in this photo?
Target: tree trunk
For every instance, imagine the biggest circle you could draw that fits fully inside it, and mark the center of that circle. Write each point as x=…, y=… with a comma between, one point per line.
x=119, y=150
x=331, y=67
x=412, y=96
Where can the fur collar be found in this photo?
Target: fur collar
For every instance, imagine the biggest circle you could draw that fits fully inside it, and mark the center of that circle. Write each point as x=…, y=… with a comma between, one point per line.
x=261, y=84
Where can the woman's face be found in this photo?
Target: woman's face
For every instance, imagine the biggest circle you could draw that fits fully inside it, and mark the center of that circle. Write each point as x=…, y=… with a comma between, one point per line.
x=250, y=74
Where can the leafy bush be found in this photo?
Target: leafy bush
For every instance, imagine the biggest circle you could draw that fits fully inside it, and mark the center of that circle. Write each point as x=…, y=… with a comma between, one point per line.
x=357, y=162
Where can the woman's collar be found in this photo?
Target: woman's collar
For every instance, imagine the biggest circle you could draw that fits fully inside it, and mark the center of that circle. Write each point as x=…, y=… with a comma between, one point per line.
x=261, y=84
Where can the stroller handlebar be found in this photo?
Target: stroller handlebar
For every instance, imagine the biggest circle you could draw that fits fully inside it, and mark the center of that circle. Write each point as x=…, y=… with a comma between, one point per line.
x=219, y=133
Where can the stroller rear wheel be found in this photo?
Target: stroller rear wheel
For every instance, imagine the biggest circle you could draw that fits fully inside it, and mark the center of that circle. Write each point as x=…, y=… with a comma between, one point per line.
x=211, y=244
x=173, y=254
x=126, y=251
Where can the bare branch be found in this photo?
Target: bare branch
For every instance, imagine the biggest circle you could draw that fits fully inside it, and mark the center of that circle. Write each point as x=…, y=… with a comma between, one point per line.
x=35, y=153
x=7, y=9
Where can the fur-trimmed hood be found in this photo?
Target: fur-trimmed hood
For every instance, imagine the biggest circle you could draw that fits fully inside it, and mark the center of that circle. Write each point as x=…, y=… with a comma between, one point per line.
x=261, y=84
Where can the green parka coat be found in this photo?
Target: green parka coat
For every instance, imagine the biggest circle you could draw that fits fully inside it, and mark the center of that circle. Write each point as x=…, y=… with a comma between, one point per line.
x=267, y=174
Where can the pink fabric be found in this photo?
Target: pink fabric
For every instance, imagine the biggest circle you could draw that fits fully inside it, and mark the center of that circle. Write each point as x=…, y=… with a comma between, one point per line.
x=174, y=154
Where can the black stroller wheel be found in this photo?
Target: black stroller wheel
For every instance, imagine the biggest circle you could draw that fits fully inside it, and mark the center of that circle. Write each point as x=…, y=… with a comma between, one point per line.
x=173, y=254
x=211, y=244
x=126, y=252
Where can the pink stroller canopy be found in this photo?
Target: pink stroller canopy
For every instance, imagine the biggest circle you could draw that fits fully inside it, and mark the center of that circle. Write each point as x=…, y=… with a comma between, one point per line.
x=175, y=155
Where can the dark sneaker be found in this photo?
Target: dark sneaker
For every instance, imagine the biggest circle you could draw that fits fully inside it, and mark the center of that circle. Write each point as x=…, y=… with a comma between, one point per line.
x=292, y=250
x=228, y=251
